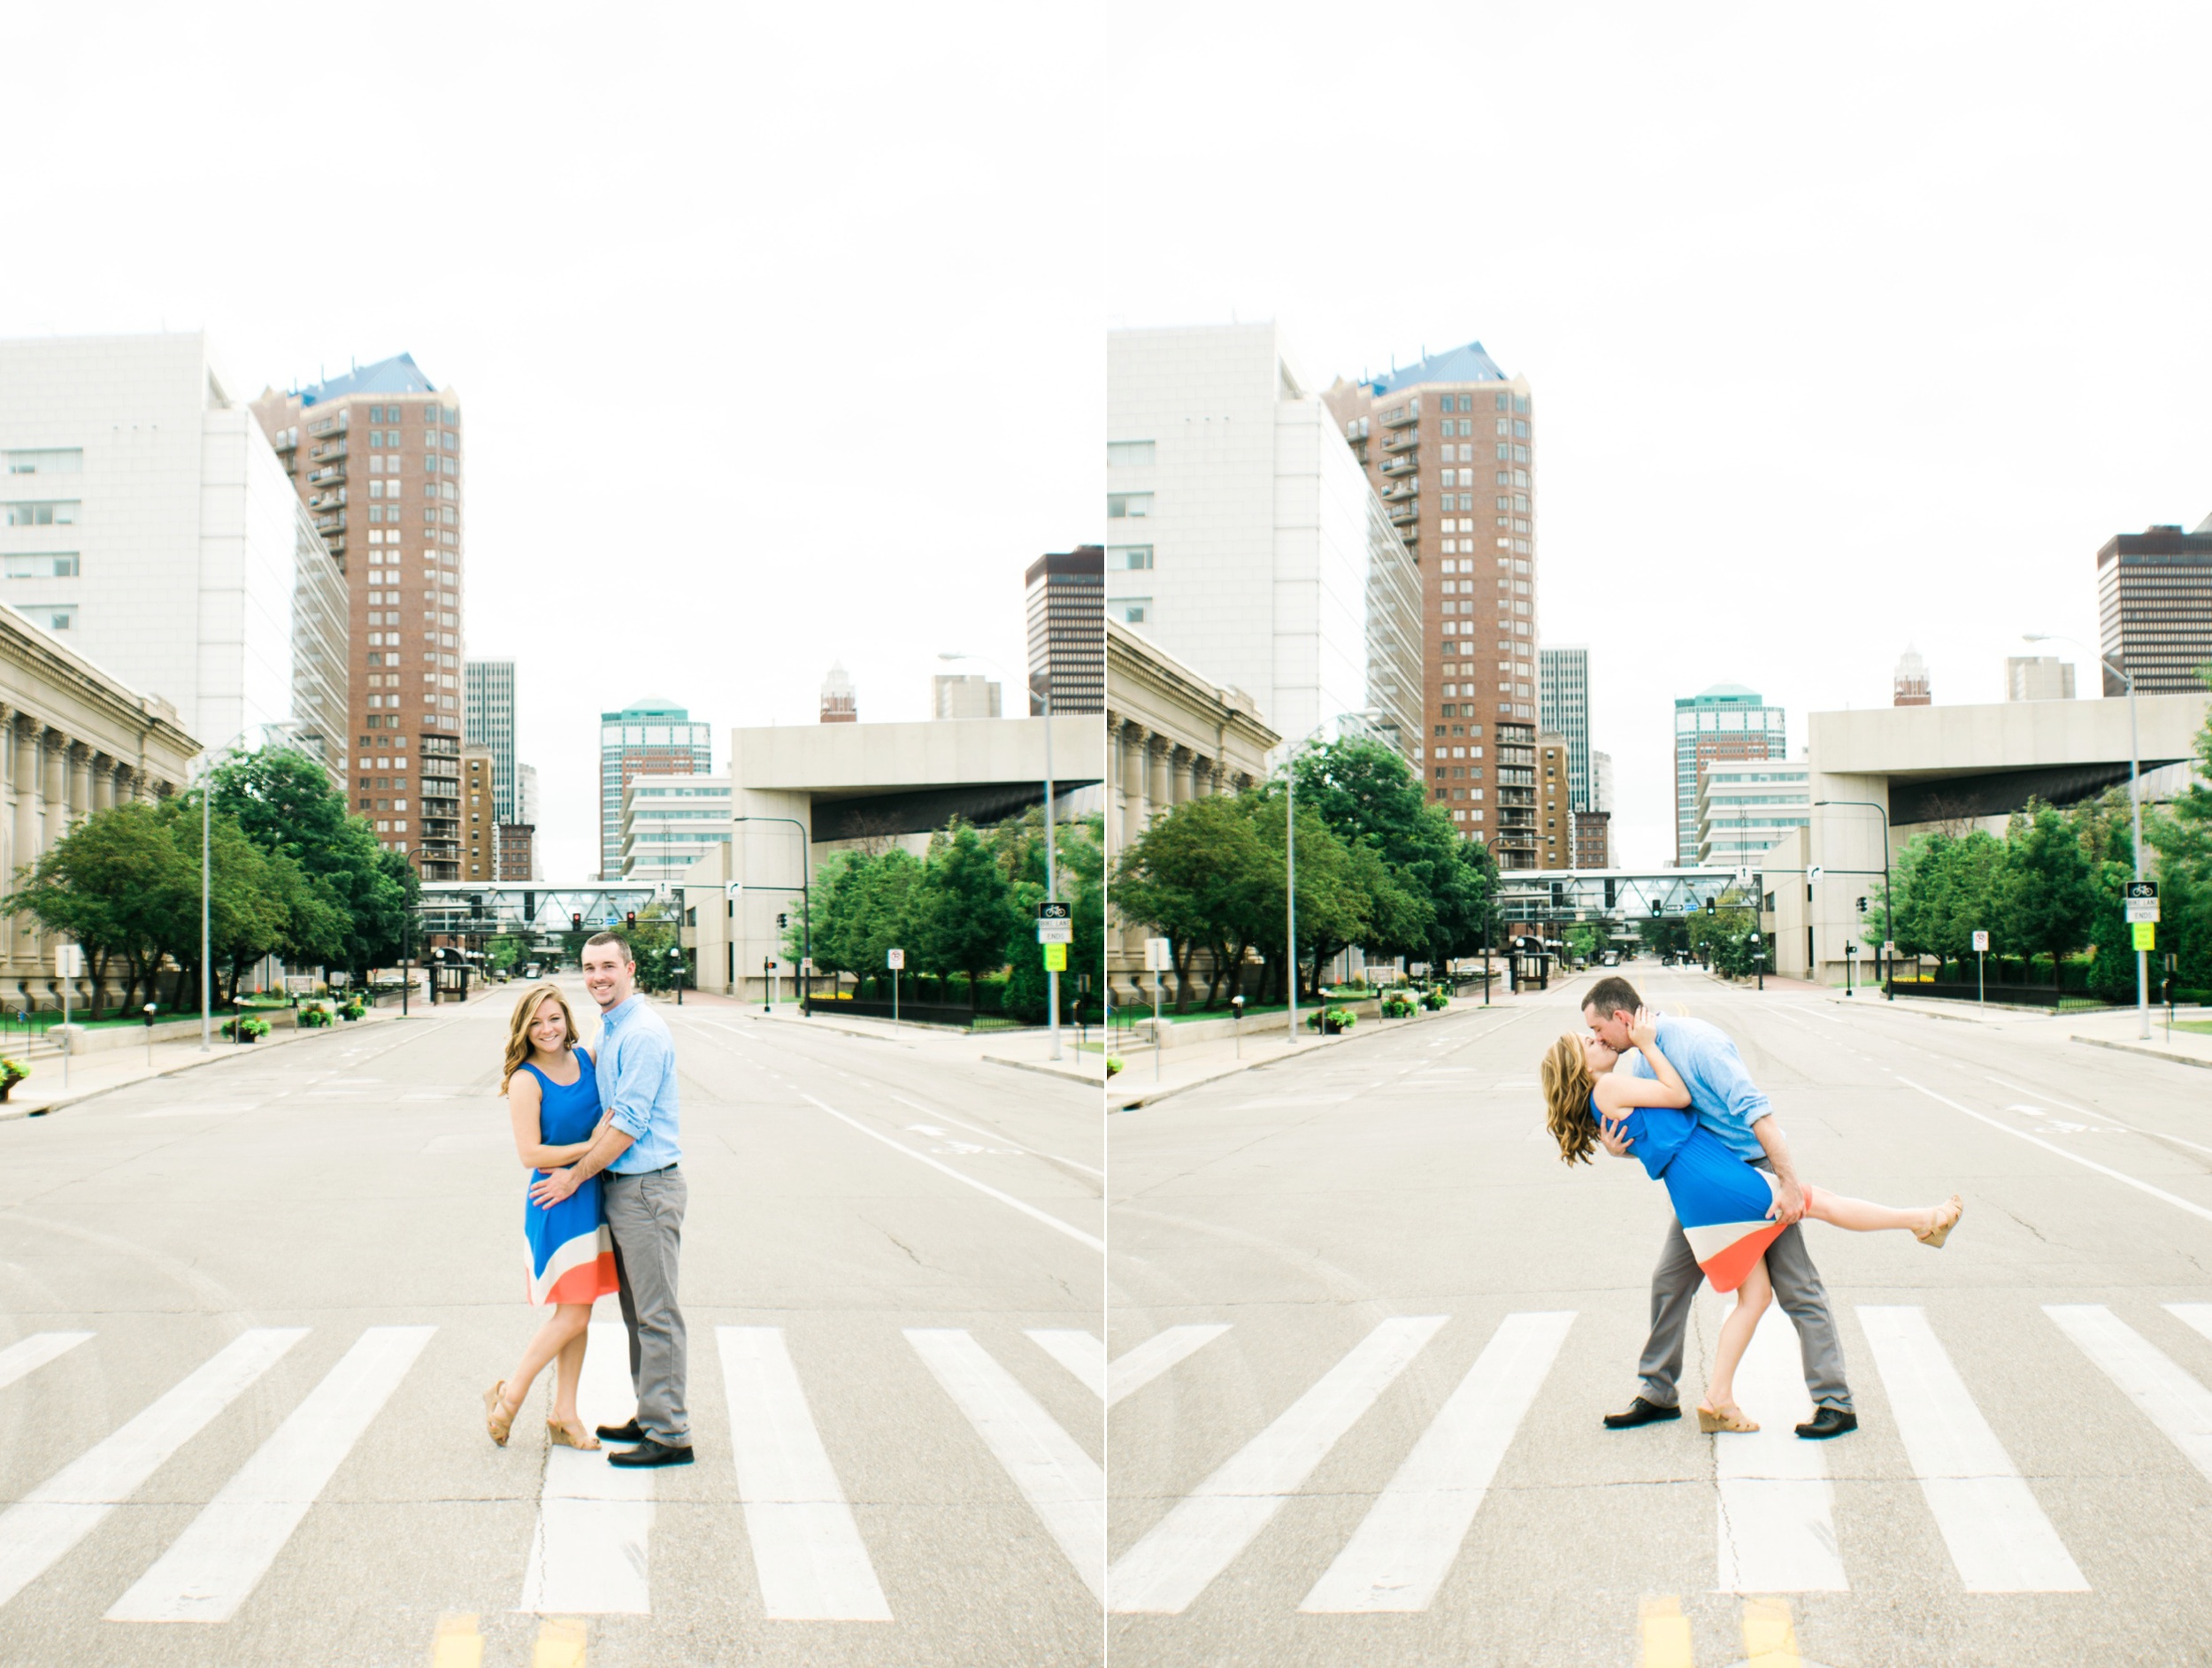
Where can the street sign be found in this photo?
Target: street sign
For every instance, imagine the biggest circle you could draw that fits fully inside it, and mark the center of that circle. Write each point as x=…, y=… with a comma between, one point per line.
x=894, y=959
x=1743, y=874
x=1159, y=956
x=1889, y=948
x=2142, y=888
x=1814, y=873
x=1055, y=928
x=1055, y=911
x=2142, y=910
x=806, y=965
x=2146, y=934
x=1055, y=958
x=1981, y=943
x=69, y=961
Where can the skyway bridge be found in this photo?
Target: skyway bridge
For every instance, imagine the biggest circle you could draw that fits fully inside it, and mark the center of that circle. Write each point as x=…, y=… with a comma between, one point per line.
x=474, y=909
x=1562, y=898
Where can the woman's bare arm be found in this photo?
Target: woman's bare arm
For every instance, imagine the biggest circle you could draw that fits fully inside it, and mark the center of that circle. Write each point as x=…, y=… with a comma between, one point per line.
x=524, y=1098
x=1618, y=1091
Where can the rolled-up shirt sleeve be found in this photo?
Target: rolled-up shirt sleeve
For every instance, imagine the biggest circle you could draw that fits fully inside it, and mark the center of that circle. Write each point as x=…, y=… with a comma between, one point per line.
x=641, y=1063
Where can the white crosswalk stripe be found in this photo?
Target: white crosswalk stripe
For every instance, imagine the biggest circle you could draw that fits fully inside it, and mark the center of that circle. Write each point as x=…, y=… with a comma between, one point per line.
x=1063, y=1484
x=589, y=1556
x=27, y=1356
x=1998, y=1537
x=1778, y=1526
x=212, y=1568
x=2175, y=1403
x=1202, y=1533
x=35, y=1533
x=807, y=1549
x=1079, y=1351
x=1406, y=1544
x=1140, y=1364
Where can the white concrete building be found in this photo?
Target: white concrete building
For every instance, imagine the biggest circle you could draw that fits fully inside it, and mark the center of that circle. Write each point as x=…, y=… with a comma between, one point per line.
x=145, y=521
x=670, y=822
x=1243, y=536
x=1601, y=782
x=1744, y=805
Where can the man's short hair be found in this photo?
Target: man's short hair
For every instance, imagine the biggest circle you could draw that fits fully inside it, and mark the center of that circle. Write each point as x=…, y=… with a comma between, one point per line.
x=1613, y=994
x=623, y=944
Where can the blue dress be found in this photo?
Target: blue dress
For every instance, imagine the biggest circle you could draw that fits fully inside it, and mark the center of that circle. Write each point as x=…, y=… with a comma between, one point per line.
x=1721, y=1201
x=570, y=1252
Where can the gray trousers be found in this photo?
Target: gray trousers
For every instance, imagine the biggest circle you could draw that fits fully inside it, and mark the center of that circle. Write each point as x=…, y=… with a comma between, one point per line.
x=645, y=1214
x=1797, y=1289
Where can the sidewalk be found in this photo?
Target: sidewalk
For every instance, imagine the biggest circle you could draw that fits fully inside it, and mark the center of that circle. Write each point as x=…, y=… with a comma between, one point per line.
x=1025, y=1050
x=2118, y=1029
x=91, y=1074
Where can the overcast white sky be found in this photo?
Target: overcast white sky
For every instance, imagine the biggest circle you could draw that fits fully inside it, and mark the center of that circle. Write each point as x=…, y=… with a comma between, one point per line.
x=1850, y=326
x=779, y=329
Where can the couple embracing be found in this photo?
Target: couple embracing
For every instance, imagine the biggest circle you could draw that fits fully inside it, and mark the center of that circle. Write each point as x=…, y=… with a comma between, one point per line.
x=605, y=1211
x=1683, y=1105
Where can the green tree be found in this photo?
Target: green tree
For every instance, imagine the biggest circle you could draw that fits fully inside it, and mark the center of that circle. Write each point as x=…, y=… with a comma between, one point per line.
x=967, y=913
x=1202, y=877
x=113, y=884
x=1333, y=900
x=2046, y=895
x=506, y=950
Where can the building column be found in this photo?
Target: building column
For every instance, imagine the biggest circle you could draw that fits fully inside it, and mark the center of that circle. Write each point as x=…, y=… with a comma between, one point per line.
x=80, y=782
x=1182, y=774
x=103, y=782
x=53, y=788
x=1134, y=742
x=1159, y=787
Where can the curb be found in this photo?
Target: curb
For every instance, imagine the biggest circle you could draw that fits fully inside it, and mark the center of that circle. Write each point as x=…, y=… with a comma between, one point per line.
x=1168, y=1091
x=218, y=1056
x=1046, y=1069
x=2138, y=1048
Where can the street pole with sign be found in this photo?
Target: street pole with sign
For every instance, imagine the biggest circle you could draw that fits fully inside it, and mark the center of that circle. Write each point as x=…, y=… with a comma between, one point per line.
x=69, y=963
x=1055, y=931
x=894, y=959
x=1981, y=987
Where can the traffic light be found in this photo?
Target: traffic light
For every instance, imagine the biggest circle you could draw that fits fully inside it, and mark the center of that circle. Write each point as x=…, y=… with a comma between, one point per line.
x=782, y=921
x=575, y=922
x=1654, y=906
x=1712, y=906
x=630, y=919
x=1861, y=906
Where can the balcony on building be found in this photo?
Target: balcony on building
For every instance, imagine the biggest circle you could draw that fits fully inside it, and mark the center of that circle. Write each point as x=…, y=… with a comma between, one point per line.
x=1404, y=440
x=1404, y=464
x=1399, y=415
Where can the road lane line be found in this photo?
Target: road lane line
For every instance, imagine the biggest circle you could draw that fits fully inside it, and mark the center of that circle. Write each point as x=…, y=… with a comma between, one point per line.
x=589, y=1556
x=1139, y=1365
x=27, y=1356
x=2000, y=1540
x=1407, y=1543
x=458, y=1643
x=1079, y=1351
x=1665, y=1632
x=2192, y=1208
x=1777, y=1519
x=1770, y=1638
x=1026, y=1208
x=62, y=1510
x=2169, y=1397
x=1064, y=1485
x=998, y=1135
x=807, y=1549
x=560, y=1643
x=2083, y=1111
x=2198, y=1316
x=1202, y=1533
x=214, y=1566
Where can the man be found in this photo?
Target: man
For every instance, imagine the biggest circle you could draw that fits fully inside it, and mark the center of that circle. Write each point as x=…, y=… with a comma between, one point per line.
x=1727, y=1103
x=645, y=1194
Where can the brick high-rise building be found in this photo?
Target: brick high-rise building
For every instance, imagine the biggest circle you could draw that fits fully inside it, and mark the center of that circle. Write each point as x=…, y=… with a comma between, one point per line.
x=2154, y=608
x=1725, y=721
x=376, y=455
x=1067, y=629
x=518, y=852
x=479, y=819
x=1594, y=839
x=1555, y=800
x=1448, y=445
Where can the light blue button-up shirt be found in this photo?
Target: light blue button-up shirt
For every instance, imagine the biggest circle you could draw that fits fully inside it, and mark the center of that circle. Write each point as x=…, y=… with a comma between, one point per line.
x=1722, y=1093
x=636, y=1069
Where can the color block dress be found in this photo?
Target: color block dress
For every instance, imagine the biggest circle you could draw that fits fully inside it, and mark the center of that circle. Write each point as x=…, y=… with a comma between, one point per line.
x=1721, y=1202
x=571, y=1253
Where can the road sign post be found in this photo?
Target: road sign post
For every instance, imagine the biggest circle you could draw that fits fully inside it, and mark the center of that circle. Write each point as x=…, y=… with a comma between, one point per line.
x=894, y=959
x=1981, y=948
x=69, y=963
x=1055, y=931
x=1159, y=956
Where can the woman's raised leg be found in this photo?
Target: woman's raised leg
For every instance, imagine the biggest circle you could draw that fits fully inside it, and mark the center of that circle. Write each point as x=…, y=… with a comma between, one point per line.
x=1861, y=1217
x=569, y=1365
x=1752, y=1298
x=559, y=1331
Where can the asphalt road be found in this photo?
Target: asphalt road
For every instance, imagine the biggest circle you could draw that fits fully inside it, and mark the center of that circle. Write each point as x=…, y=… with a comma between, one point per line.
x=1364, y=1324
x=249, y=1312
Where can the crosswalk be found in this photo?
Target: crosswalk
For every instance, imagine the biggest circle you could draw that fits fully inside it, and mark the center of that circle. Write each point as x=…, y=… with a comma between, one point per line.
x=592, y=1545
x=1774, y=1502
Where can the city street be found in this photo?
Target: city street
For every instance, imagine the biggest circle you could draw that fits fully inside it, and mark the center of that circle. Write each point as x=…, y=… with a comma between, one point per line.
x=1365, y=1325
x=250, y=1312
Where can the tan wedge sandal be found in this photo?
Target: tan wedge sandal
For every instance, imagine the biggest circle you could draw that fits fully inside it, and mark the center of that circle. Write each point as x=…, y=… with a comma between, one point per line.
x=1941, y=1231
x=499, y=1418
x=1726, y=1418
x=570, y=1433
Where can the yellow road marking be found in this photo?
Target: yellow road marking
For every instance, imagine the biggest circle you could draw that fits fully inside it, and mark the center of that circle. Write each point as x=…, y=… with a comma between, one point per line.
x=459, y=1644
x=561, y=1644
x=1666, y=1634
x=1769, y=1640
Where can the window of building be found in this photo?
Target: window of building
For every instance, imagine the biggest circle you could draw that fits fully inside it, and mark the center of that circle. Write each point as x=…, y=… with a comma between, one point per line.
x=61, y=618
x=1132, y=610
x=53, y=514
x=42, y=567
x=1520, y=404
x=1520, y=431
x=1128, y=454
x=51, y=461
x=1501, y=402
x=1127, y=504
x=1130, y=558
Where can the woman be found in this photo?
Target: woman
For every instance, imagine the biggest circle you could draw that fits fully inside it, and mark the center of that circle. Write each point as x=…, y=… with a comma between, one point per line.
x=1721, y=1201
x=553, y=1099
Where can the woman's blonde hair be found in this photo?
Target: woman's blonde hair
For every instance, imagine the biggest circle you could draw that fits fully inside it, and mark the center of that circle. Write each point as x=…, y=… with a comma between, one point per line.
x=526, y=1014
x=1568, y=1085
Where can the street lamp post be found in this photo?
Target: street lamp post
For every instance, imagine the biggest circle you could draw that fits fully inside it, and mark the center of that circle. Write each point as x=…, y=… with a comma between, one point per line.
x=1889, y=905
x=806, y=907
x=1040, y=687
x=2135, y=806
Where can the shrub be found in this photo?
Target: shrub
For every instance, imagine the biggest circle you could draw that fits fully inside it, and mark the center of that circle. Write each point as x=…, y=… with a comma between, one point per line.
x=1113, y=1063
x=1436, y=998
x=1397, y=1005
x=313, y=1019
x=1332, y=1021
x=255, y=1029
x=12, y=1072
x=353, y=1010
